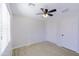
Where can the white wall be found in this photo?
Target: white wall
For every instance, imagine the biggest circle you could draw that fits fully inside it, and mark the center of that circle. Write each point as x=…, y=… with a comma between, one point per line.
x=78, y=36
x=67, y=25
x=27, y=31
x=0, y=27
x=51, y=30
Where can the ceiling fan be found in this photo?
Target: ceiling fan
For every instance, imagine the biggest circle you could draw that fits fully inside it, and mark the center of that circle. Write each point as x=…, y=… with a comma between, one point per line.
x=47, y=12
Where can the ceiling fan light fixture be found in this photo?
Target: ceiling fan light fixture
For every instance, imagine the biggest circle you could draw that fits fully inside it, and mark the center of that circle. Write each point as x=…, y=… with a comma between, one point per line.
x=45, y=15
x=47, y=12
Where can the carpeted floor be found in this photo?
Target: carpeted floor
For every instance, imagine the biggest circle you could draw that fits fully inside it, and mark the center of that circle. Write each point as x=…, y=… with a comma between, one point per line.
x=43, y=49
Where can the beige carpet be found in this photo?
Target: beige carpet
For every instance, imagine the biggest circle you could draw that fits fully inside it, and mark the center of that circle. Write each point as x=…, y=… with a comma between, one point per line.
x=43, y=49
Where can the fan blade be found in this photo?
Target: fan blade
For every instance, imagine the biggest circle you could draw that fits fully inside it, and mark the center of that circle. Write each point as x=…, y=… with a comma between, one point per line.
x=46, y=10
x=39, y=13
x=52, y=11
x=50, y=14
x=42, y=9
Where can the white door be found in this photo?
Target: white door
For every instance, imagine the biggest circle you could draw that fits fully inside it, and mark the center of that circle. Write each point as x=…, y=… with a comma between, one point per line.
x=0, y=27
x=68, y=33
x=5, y=42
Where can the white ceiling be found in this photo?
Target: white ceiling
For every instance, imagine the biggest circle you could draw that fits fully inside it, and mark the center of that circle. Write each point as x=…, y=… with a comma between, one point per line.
x=24, y=9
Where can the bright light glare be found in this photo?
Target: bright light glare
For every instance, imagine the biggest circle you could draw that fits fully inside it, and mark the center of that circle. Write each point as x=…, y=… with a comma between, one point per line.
x=45, y=15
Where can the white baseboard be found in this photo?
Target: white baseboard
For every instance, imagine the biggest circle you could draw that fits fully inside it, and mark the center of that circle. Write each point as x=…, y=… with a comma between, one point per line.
x=28, y=44
x=77, y=51
x=64, y=47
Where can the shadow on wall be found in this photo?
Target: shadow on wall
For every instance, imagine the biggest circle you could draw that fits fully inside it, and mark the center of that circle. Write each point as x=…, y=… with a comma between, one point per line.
x=6, y=50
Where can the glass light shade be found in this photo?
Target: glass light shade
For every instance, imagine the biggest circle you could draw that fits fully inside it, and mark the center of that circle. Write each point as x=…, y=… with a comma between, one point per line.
x=45, y=15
